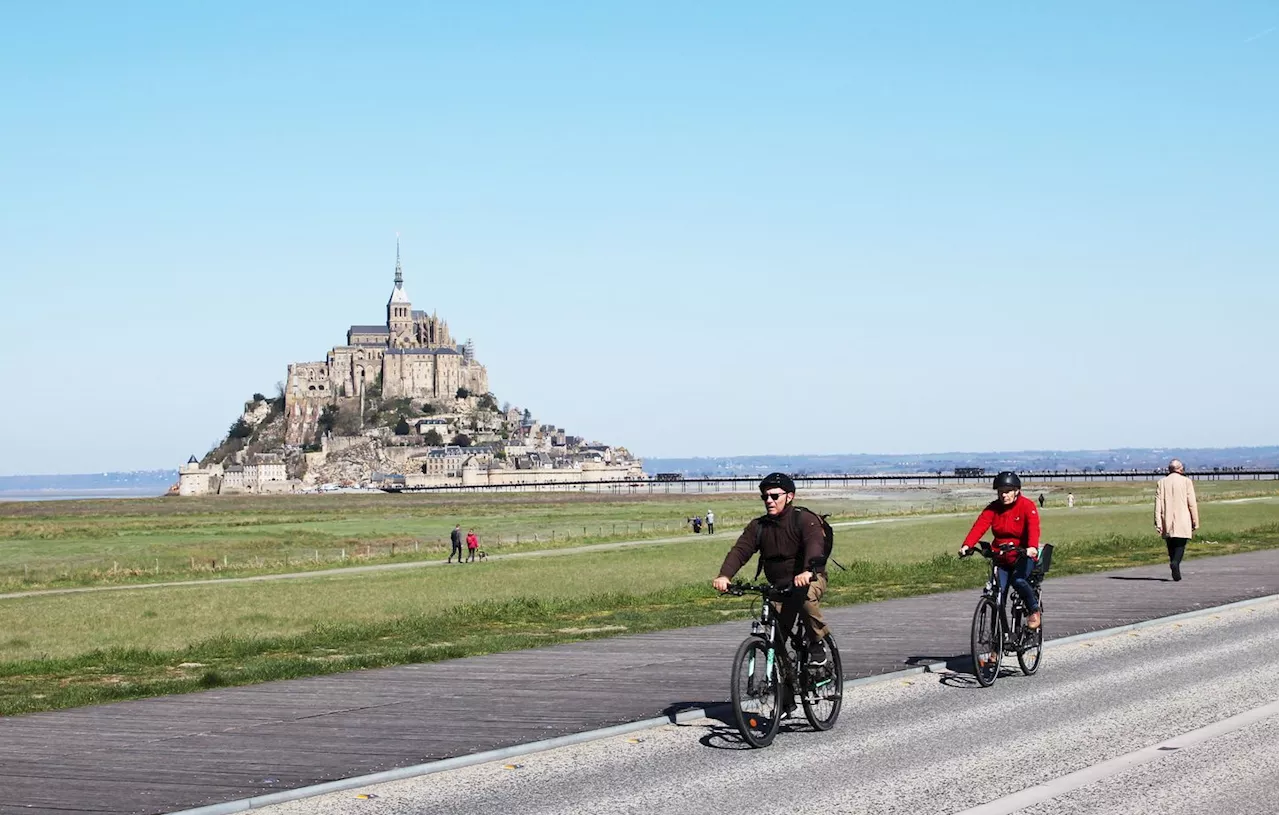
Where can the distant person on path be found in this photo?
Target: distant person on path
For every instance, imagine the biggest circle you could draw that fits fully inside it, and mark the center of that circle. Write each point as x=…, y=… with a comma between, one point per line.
x=711, y=522
x=697, y=524
x=1177, y=517
x=1012, y=519
x=473, y=543
x=1042, y=500
x=792, y=551
x=1071, y=500
x=455, y=543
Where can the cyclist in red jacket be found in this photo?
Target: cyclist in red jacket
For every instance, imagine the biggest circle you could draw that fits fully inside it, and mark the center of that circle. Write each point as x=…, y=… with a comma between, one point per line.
x=1015, y=522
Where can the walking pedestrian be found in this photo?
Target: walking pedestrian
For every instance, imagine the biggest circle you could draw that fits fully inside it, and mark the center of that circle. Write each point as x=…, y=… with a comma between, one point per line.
x=455, y=543
x=1177, y=517
x=711, y=522
x=1042, y=500
x=1071, y=500
x=473, y=543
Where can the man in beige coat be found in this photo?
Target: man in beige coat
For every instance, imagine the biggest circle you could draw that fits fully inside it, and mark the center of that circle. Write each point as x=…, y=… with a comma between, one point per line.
x=1177, y=517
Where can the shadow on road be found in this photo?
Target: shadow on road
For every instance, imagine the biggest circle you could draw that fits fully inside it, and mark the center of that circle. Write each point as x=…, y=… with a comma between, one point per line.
x=724, y=737
x=962, y=663
x=718, y=710
x=1152, y=579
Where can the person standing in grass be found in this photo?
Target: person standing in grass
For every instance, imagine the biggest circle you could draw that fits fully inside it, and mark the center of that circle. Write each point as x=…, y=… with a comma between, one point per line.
x=473, y=543
x=711, y=522
x=455, y=543
x=1177, y=517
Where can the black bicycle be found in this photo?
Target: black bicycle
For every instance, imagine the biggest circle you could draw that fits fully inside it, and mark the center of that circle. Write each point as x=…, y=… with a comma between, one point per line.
x=771, y=666
x=995, y=632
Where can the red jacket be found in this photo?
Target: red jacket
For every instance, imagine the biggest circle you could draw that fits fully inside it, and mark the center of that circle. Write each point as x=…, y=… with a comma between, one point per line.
x=1018, y=523
x=472, y=541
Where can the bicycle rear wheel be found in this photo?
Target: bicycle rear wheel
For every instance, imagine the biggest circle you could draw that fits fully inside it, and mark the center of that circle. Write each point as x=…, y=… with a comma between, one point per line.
x=756, y=692
x=986, y=642
x=823, y=689
x=1031, y=647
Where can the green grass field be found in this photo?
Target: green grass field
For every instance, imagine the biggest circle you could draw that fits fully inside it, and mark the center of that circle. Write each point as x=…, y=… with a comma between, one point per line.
x=85, y=543
x=68, y=649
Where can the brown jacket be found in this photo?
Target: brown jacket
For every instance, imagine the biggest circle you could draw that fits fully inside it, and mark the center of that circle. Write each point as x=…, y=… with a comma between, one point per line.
x=783, y=552
x=1176, y=512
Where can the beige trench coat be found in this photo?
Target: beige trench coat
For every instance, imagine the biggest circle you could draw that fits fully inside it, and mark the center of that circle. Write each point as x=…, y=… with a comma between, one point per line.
x=1176, y=512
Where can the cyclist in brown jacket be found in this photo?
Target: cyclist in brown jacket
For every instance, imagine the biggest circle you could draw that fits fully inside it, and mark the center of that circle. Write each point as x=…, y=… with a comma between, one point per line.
x=791, y=547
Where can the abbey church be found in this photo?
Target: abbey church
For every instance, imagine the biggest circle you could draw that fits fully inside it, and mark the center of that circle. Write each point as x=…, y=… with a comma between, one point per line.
x=412, y=356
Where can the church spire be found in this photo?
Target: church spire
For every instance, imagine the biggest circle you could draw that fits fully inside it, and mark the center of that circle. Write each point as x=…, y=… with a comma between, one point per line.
x=399, y=273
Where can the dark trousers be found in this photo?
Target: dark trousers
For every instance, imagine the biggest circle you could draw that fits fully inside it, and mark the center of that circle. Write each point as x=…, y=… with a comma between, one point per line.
x=457, y=547
x=1018, y=575
x=1176, y=547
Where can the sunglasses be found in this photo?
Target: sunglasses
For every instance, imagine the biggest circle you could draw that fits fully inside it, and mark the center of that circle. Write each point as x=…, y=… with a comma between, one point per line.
x=772, y=496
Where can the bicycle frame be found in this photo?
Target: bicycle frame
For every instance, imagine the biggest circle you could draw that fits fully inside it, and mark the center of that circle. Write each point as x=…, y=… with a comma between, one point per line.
x=1001, y=599
x=766, y=627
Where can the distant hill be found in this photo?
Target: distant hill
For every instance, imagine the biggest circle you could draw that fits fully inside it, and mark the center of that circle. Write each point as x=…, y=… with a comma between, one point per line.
x=1263, y=458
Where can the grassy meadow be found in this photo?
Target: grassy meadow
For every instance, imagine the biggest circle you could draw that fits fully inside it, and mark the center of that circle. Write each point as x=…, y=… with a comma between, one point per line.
x=123, y=541
x=62, y=650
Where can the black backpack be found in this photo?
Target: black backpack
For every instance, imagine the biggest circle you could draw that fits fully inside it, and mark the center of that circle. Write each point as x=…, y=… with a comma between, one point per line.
x=828, y=537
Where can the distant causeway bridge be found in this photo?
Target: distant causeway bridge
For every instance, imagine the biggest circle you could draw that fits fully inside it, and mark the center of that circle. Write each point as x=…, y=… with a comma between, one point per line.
x=665, y=484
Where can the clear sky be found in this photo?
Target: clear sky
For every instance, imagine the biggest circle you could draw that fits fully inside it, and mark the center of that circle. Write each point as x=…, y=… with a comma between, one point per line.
x=714, y=229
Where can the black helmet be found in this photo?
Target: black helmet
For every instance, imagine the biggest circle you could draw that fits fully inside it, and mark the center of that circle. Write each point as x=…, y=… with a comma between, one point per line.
x=780, y=480
x=1006, y=480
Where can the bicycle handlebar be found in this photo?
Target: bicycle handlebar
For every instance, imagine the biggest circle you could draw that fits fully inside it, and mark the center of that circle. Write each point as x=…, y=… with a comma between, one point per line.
x=766, y=589
x=984, y=548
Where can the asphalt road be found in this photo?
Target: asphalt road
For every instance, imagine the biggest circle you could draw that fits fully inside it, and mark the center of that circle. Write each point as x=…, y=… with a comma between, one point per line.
x=1175, y=718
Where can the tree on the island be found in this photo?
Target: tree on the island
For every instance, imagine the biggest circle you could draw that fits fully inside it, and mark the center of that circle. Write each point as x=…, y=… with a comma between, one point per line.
x=240, y=429
x=432, y=438
x=462, y=440
x=257, y=397
x=328, y=416
x=528, y=415
x=429, y=409
x=463, y=393
x=402, y=427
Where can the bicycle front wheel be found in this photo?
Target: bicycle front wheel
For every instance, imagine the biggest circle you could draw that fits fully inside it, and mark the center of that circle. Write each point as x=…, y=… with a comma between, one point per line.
x=986, y=642
x=823, y=689
x=756, y=692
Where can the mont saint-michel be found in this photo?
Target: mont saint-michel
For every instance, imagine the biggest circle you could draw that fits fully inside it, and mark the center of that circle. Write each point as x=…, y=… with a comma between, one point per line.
x=399, y=403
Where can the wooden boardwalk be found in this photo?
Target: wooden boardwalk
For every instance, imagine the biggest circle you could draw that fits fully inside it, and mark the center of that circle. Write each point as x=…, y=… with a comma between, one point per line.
x=173, y=753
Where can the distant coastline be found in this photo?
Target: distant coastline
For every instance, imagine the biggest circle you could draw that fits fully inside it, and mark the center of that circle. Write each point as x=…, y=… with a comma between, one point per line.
x=81, y=495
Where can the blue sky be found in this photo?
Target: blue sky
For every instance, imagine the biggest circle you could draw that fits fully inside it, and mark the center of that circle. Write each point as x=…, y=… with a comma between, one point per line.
x=692, y=229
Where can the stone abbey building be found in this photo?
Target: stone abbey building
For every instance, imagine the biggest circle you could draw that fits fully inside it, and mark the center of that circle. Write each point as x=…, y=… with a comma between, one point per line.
x=412, y=356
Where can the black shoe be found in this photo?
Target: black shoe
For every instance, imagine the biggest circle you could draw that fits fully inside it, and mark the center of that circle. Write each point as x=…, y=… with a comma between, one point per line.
x=1177, y=573
x=818, y=655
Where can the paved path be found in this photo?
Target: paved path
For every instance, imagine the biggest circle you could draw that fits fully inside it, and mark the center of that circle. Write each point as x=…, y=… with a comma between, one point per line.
x=171, y=753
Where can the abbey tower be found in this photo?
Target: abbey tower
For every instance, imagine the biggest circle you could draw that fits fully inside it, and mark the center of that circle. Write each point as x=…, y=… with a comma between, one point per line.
x=412, y=356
